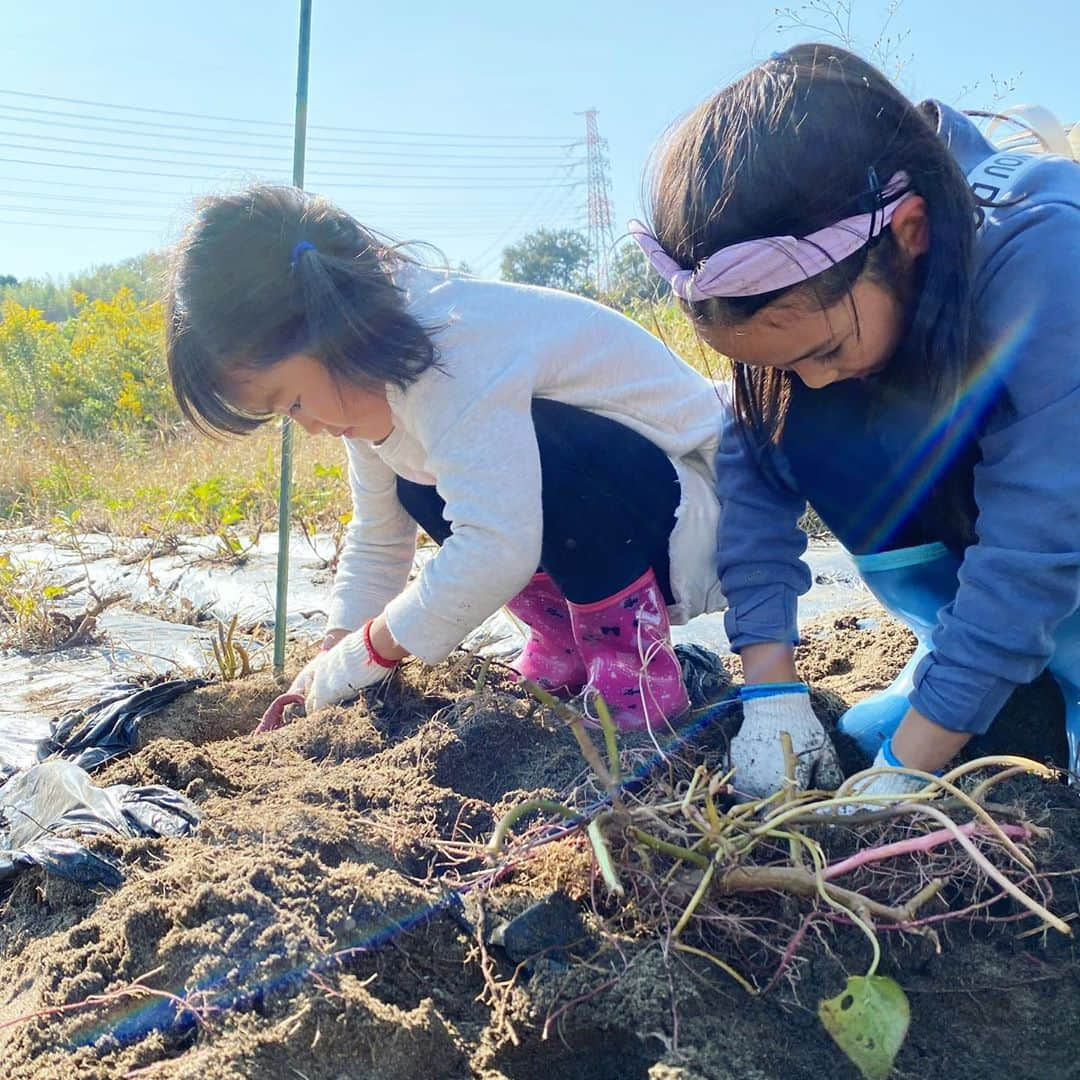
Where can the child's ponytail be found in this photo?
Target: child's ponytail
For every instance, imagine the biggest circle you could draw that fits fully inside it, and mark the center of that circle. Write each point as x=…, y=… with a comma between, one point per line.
x=273, y=272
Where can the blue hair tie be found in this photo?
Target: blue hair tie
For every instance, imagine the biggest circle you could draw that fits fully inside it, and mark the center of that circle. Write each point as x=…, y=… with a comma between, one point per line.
x=301, y=247
x=875, y=184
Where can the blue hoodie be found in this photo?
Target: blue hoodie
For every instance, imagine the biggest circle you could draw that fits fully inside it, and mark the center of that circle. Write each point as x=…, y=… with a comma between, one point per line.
x=1021, y=576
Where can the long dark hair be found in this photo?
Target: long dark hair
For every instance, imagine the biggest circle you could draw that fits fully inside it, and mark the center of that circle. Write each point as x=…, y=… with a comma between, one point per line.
x=790, y=148
x=273, y=271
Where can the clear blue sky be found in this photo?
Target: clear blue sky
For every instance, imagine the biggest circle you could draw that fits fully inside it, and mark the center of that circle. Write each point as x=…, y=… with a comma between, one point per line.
x=486, y=94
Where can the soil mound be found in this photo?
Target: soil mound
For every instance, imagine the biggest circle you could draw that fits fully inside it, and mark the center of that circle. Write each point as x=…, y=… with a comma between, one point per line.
x=312, y=929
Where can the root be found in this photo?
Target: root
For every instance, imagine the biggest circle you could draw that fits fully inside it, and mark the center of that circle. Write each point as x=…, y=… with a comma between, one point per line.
x=680, y=851
x=135, y=989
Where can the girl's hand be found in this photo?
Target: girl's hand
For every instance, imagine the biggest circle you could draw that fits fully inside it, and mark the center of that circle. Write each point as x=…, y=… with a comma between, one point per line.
x=890, y=783
x=918, y=743
x=341, y=672
x=302, y=683
x=756, y=753
x=331, y=638
x=274, y=717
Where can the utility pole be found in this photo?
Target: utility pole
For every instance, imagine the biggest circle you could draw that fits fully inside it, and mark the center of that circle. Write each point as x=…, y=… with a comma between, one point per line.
x=281, y=600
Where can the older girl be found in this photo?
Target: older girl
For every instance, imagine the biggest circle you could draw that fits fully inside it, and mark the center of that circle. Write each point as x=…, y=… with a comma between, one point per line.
x=902, y=306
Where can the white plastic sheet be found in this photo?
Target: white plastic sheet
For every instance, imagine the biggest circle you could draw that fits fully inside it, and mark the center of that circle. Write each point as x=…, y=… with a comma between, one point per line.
x=35, y=689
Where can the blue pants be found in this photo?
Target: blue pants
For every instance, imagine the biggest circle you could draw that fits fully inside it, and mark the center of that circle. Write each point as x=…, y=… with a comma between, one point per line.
x=914, y=584
x=897, y=491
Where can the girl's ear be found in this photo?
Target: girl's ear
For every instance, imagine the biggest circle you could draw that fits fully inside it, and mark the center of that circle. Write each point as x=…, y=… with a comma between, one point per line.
x=911, y=228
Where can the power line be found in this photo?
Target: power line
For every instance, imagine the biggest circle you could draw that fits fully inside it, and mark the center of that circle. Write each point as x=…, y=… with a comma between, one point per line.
x=456, y=225
x=401, y=235
x=328, y=145
x=544, y=204
x=95, y=200
x=525, y=139
x=60, y=211
x=126, y=172
x=435, y=184
x=127, y=146
x=88, y=187
x=475, y=217
x=96, y=228
x=439, y=159
x=488, y=169
x=108, y=123
x=440, y=204
x=242, y=161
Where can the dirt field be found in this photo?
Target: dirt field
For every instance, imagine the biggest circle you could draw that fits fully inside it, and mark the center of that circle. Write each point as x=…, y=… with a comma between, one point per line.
x=312, y=931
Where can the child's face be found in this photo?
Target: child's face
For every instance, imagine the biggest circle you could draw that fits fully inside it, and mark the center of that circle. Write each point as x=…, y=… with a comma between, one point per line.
x=300, y=386
x=850, y=340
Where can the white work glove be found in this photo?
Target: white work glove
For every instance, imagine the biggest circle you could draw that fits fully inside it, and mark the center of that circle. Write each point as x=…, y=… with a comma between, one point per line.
x=341, y=673
x=302, y=683
x=756, y=753
x=277, y=713
x=884, y=783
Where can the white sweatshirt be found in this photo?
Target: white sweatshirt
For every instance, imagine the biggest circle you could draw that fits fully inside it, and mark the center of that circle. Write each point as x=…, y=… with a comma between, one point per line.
x=467, y=429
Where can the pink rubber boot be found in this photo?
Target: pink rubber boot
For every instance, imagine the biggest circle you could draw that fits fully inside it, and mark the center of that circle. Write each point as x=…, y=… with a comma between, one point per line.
x=625, y=641
x=550, y=657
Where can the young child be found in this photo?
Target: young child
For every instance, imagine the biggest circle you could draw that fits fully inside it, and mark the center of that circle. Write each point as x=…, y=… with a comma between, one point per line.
x=561, y=455
x=902, y=307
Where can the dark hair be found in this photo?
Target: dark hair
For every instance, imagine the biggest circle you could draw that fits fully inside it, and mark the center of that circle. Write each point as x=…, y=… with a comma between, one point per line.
x=273, y=271
x=788, y=149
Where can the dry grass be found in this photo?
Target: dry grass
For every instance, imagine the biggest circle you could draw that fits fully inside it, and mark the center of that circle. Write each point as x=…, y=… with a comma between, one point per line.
x=672, y=327
x=145, y=488
x=180, y=483
x=33, y=617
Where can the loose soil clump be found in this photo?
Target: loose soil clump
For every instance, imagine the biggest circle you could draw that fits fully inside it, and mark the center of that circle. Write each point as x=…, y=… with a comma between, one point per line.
x=334, y=915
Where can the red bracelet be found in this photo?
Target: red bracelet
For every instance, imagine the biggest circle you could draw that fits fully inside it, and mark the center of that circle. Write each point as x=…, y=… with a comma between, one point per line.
x=373, y=652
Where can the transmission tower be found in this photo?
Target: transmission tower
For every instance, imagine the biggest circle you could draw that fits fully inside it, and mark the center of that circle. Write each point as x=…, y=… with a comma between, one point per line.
x=601, y=235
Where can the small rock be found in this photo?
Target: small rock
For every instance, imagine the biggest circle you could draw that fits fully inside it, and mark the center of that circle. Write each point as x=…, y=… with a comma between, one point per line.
x=549, y=926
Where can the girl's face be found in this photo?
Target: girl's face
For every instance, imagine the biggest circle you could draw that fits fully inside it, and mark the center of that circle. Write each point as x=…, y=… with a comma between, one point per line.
x=300, y=386
x=853, y=339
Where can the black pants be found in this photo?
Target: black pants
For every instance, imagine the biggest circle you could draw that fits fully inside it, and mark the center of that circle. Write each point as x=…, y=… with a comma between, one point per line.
x=609, y=498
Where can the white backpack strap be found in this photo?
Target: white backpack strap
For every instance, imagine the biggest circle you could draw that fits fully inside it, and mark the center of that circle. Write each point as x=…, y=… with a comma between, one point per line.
x=1029, y=127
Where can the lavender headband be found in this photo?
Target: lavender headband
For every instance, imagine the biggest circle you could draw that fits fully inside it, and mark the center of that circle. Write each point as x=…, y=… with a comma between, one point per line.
x=773, y=262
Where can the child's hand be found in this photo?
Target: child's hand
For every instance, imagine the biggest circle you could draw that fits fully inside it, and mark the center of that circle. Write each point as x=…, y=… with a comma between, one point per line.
x=343, y=671
x=331, y=638
x=889, y=783
x=302, y=683
x=756, y=752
